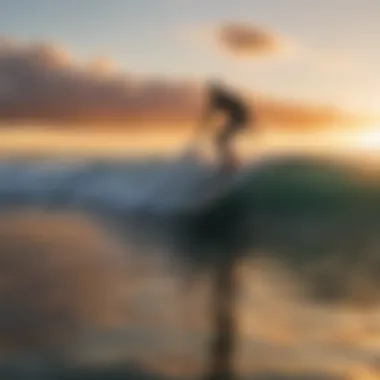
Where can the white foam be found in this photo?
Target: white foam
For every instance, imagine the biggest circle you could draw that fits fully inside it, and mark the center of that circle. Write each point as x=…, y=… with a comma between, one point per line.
x=156, y=185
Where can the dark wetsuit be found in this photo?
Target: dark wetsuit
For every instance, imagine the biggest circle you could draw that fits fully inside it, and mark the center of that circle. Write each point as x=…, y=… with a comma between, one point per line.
x=237, y=115
x=231, y=105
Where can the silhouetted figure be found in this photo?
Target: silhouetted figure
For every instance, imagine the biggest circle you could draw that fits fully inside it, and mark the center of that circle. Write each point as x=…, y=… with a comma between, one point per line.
x=237, y=117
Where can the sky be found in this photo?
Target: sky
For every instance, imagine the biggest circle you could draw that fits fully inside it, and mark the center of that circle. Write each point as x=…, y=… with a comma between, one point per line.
x=315, y=53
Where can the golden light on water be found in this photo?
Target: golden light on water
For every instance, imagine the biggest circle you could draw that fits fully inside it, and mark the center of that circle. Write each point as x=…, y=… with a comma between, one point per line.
x=122, y=143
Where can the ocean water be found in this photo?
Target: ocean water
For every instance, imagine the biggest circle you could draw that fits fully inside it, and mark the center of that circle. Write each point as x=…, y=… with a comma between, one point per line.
x=303, y=233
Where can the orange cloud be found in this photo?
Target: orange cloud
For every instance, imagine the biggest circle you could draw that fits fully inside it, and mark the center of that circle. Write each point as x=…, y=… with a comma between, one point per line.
x=289, y=115
x=41, y=83
x=249, y=41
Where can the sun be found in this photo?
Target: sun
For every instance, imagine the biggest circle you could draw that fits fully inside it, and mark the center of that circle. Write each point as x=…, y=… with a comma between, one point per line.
x=369, y=139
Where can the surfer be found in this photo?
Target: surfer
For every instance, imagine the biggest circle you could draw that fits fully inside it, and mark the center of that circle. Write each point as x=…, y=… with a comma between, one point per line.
x=236, y=116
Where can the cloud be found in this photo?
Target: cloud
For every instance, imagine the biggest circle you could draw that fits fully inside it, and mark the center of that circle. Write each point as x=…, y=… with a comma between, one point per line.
x=292, y=115
x=249, y=41
x=44, y=84
x=41, y=82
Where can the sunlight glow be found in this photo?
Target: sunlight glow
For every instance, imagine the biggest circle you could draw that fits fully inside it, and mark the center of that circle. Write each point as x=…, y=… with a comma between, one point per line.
x=369, y=139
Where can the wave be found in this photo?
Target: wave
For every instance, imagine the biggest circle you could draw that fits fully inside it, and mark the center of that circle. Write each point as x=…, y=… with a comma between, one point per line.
x=312, y=216
x=128, y=186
